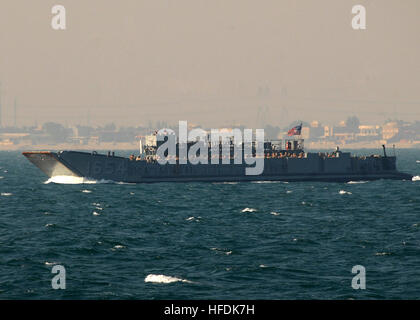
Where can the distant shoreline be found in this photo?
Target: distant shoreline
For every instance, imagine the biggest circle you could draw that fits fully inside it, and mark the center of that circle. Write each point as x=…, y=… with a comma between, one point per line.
x=127, y=146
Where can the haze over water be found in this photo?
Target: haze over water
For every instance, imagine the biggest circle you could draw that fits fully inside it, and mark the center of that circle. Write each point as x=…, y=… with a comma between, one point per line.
x=215, y=63
x=208, y=240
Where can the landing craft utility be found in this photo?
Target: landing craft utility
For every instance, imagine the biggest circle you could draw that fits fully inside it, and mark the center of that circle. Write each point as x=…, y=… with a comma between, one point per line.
x=282, y=161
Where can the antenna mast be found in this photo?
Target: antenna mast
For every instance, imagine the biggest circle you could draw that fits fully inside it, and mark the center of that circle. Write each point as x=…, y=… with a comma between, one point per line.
x=140, y=147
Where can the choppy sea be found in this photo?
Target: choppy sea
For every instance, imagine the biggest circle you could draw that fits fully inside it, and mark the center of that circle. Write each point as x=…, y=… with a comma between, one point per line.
x=208, y=240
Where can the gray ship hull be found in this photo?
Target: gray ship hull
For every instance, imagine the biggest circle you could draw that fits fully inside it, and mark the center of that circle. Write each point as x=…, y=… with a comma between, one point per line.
x=311, y=168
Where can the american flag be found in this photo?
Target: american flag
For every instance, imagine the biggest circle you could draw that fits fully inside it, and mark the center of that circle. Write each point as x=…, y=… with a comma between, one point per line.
x=295, y=131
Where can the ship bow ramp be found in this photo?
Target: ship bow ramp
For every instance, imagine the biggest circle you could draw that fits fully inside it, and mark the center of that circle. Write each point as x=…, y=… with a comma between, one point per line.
x=51, y=164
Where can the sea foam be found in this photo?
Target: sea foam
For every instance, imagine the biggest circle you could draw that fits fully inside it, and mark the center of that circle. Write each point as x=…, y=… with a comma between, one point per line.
x=193, y=218
x=344, y=192
x=226, y=182
x=382, y=253
x=249, y=210
x=160, y=278
x=267, y=181
x=75, y=180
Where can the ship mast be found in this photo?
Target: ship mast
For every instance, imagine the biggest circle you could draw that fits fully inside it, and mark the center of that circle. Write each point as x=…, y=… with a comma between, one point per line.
x=140, y=147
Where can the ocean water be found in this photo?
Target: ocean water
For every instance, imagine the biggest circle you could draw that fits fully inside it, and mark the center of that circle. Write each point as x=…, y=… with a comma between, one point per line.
x=208, y=240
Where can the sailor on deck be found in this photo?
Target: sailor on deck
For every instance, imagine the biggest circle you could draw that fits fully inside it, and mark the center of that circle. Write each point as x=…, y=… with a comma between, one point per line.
x=337, y=152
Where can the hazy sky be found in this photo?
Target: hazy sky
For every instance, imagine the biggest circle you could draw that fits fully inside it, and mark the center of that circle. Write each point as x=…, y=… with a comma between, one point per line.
x=213, y=62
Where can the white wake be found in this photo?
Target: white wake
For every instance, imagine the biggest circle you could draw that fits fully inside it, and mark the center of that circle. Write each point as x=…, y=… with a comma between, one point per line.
x=75, y=180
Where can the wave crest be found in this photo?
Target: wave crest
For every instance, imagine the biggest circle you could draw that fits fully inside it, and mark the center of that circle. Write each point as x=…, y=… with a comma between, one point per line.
x=160, y=278
x=344, y=192
x=249, y=210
